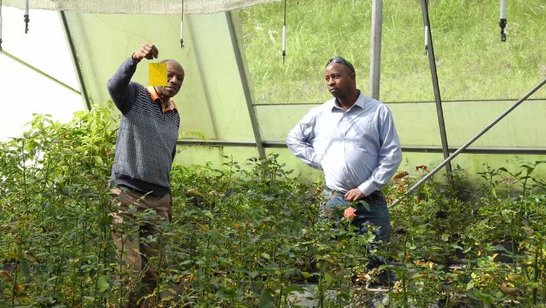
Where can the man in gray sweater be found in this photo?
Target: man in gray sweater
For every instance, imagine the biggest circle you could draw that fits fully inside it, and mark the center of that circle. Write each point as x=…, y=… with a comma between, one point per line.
x=140, y=181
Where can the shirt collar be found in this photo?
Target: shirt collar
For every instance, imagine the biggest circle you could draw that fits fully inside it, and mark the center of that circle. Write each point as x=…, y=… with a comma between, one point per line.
x=157, y=99
x=360, y=101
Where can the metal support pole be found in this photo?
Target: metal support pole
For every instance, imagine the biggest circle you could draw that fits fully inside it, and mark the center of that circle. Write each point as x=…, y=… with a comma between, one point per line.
x=466, y=145
x=405, y=149
x=435, y=84
x=375, y=49
x=75, y=61
x=246, y=89
x=44, y=74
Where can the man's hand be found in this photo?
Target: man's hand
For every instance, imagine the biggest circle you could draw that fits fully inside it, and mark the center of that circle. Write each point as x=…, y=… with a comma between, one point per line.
x=354, y=194
x=148, y=51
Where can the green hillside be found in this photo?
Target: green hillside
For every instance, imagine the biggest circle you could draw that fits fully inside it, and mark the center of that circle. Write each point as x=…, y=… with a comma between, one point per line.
x=472, y=62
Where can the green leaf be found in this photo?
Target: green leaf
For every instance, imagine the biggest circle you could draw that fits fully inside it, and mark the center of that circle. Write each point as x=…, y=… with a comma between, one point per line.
x=266, y=300
x=102, y=283
x=98, y=160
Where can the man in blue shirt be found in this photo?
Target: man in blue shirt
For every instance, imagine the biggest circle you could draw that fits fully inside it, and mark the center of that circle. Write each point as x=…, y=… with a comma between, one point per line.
x=352, y=138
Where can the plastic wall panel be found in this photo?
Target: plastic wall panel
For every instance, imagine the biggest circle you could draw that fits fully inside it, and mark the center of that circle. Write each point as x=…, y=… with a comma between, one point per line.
x=417, y=123
x=104, y=41
x=23, y=90
x=211, y=101
x=222, y=84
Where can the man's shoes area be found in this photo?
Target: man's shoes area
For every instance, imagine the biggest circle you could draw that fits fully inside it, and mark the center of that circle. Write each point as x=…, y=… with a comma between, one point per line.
x=383, y=278
x=377, y=279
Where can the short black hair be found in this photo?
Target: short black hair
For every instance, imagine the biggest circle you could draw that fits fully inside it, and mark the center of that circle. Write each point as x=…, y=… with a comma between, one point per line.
x=341, y=60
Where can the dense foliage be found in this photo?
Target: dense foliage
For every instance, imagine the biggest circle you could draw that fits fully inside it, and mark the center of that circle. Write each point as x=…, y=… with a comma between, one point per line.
x=246, y=234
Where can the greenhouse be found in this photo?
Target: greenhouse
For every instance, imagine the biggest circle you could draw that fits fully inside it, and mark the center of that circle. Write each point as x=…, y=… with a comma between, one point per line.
x=461, y=81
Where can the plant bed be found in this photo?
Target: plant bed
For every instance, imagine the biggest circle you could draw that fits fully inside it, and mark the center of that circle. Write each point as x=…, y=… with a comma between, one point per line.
x=246, y=234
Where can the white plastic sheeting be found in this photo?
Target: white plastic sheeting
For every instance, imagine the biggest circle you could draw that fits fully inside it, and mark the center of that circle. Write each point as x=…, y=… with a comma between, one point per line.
x=163, y=7
x=23, y=89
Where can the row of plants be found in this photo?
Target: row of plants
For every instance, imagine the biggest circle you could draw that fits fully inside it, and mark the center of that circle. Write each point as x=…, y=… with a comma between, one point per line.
x=461, y=244
x=246, y=234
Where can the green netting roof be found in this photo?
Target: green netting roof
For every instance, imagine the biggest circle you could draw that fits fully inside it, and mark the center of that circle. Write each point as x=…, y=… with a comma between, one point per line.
x=169, y=7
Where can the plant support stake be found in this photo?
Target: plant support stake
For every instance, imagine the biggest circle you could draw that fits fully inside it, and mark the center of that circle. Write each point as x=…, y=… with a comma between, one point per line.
x=502, y=22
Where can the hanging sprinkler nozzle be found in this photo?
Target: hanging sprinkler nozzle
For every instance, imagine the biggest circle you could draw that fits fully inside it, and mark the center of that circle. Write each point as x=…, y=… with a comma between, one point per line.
x=502, y=25
x=181, y=33
x=502, y=22
x=26, y=17
x=284, y=35
x=182, y=25
x=283, y=44
x=0, y=25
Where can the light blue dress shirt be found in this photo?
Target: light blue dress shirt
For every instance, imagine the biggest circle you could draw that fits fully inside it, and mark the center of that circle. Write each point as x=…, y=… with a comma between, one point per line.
x=358, y=147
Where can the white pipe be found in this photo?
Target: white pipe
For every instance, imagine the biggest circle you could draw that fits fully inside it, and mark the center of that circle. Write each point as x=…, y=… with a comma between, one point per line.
x=283, y=38
x=503, y=9
x=375, y=48
x=426, y=37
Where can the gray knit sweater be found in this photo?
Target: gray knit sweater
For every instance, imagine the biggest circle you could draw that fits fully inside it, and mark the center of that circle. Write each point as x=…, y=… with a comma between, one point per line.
x=147, y=137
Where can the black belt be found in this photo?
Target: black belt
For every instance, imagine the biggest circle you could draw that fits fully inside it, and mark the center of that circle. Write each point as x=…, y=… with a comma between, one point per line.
x=137, y=191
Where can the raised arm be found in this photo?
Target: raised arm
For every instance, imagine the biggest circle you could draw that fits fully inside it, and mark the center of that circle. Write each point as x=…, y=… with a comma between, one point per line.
x=119, y=86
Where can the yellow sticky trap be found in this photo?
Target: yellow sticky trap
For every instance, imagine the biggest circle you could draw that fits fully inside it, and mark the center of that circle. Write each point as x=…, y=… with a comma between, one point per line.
x=157, y=74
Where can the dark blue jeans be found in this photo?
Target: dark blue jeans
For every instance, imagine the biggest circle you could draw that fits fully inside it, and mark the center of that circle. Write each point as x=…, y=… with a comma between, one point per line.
x=371, y=210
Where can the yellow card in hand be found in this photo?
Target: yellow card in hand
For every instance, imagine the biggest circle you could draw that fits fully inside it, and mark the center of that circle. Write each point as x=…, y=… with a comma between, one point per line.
x=157, y=74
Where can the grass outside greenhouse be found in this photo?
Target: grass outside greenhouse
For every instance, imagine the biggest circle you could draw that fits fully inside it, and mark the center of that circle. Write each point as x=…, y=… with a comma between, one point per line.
x=471, y=60
x=245, y=234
